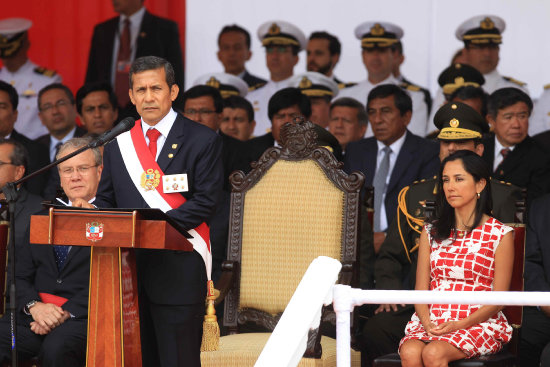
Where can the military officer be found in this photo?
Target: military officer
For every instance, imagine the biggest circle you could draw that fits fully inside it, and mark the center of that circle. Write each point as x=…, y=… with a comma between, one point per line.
x=482, y=36
x=320, y=90
x=454, y=77
x=378, y=41
x=282, y=41
x=461, y=127
x=26, y=77
x=227, y=84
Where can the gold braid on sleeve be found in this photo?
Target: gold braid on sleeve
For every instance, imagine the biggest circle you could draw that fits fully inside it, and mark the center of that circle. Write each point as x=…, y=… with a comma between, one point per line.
x=411, y=221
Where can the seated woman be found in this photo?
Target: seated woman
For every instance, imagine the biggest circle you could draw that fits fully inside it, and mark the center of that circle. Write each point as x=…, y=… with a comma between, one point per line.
x=463, y=249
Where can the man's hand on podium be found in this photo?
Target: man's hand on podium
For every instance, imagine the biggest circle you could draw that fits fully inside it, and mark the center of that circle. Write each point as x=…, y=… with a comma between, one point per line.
x=81, y=203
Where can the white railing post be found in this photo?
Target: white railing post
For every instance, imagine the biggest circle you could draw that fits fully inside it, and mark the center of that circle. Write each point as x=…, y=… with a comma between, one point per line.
x=343, y=305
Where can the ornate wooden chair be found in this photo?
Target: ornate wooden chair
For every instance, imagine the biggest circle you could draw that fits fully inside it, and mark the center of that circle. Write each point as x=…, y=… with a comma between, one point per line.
x=295, y=205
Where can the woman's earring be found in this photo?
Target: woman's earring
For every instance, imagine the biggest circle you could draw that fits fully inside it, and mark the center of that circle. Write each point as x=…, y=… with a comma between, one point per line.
x=478, y=195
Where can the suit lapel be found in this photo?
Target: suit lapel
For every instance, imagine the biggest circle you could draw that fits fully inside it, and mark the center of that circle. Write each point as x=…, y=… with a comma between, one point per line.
x=515, y=157
x=144, y=31
x=403, y=161
x=173, y=143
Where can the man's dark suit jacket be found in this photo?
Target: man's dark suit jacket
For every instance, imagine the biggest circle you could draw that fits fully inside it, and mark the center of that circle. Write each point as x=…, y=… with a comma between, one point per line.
x=27, y=205
x=37, y=271
x=171, y=277
x=38, y=158
x=537, y=248
x=527, y=166
x=417, y=159
x=157, y=37
x=53, y=185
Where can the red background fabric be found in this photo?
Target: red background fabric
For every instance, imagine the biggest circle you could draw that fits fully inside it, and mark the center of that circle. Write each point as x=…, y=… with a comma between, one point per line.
x=62, y=30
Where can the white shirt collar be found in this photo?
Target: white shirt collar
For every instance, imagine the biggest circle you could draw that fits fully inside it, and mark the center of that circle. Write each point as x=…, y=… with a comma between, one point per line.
x=135, y=19
x=395, y=146
x=70, y=203
x=499, y=147
x=163, y=126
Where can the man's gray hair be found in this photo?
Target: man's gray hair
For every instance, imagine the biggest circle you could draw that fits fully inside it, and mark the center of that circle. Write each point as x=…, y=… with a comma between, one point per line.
x=145, y=63
x=76, y=143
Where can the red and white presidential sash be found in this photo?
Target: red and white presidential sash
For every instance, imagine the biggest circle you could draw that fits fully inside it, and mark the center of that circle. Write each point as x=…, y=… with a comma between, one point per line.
x=147, y=177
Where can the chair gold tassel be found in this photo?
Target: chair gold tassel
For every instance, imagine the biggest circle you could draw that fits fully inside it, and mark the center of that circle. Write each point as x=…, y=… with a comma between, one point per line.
x=210, y=327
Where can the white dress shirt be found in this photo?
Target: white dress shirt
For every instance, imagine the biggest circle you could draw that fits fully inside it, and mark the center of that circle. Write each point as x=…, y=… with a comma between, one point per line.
x=163, y=126
x=498, y=158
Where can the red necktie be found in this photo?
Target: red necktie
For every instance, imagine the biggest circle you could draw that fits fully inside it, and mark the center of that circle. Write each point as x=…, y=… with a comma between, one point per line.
x=153, y=135
x=504, y=152
x=123, y=66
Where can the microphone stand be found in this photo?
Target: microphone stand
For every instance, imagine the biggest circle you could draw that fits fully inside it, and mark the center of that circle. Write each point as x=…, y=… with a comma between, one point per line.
x=10, y=192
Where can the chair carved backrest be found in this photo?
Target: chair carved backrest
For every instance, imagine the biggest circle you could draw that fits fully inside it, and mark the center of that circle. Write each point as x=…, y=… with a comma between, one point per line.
x=295, y=205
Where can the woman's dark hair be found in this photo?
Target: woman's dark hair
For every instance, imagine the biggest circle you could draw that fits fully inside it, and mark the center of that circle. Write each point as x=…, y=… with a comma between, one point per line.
x=445, y=221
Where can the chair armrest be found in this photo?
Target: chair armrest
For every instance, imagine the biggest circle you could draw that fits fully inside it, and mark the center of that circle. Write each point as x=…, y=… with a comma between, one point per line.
x=227, y=279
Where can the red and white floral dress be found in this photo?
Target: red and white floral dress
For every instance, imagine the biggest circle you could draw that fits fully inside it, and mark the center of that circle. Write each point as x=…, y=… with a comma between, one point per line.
x=465, y=264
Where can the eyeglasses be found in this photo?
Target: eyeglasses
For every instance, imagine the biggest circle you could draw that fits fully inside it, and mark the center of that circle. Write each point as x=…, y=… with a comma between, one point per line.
x=202, y=111
x=82, y=170
x=58, y=104
x=3, y=163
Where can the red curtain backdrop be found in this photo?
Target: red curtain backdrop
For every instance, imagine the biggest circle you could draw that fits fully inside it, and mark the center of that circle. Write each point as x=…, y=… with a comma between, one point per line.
x=62, y=30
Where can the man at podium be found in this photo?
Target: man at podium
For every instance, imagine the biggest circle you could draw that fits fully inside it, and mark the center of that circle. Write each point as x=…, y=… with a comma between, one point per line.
x=52, y=283
x=169, y=162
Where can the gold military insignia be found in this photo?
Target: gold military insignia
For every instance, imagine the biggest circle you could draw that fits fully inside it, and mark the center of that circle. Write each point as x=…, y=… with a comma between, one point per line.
x=417, y=212
x=305, y=83
x=213, y=82
x=29, y=93
x=170, y=155
x=377, y=30
x=150, y=179
x=274, y=29
x=174, y=146
x=487, y=23
x=458, y=66
x=454, y=107
x=459, y=80
x=454, y=123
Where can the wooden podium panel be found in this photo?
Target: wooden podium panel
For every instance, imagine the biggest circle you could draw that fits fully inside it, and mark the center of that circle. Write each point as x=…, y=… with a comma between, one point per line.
x=113, y=308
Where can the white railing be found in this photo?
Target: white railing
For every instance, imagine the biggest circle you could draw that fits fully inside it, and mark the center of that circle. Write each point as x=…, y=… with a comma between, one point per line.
x=346, y=298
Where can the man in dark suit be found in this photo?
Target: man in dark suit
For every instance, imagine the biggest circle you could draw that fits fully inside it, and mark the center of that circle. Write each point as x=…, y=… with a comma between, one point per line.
x=461, y=127
x=145, y=34
x=38, y=154
x=511, y=153
x=58, y=113
x=53, y=282
x=394, y=157
x=535, y=328
x=284, y=106
x=234, y=52
x=171, y=284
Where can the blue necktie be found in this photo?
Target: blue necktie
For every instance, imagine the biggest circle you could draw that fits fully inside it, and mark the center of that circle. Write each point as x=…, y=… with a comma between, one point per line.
x=61, y=253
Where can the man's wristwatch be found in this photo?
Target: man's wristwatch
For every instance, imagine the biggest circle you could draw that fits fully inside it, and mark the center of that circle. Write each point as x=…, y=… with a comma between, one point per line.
x=28, y=306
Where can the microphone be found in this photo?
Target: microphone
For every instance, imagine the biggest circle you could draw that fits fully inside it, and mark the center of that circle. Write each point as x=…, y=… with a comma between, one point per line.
x=123, y=126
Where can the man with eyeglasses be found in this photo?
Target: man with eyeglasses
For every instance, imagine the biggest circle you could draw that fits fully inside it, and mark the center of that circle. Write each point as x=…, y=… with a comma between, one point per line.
x=57, y=112
x=282, y=41
x=510, y=152
x=53, y=282
x=204, y=104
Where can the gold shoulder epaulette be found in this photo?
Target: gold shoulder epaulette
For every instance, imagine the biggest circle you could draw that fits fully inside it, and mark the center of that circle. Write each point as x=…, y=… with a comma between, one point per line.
x=409, y=86
x=515, y=81
x=345, y=85
x=43, y=71
x=547, y=86
x=256, y=86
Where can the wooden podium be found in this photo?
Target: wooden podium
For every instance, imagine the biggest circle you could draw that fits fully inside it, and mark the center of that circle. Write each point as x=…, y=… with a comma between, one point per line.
x=113, y=310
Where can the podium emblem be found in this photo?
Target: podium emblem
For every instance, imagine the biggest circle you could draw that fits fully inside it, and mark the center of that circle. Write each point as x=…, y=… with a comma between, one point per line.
x=150, y=179
x=94, y=231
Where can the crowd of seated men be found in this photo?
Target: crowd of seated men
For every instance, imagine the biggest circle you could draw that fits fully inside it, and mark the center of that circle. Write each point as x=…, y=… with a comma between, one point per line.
x=384, y=126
